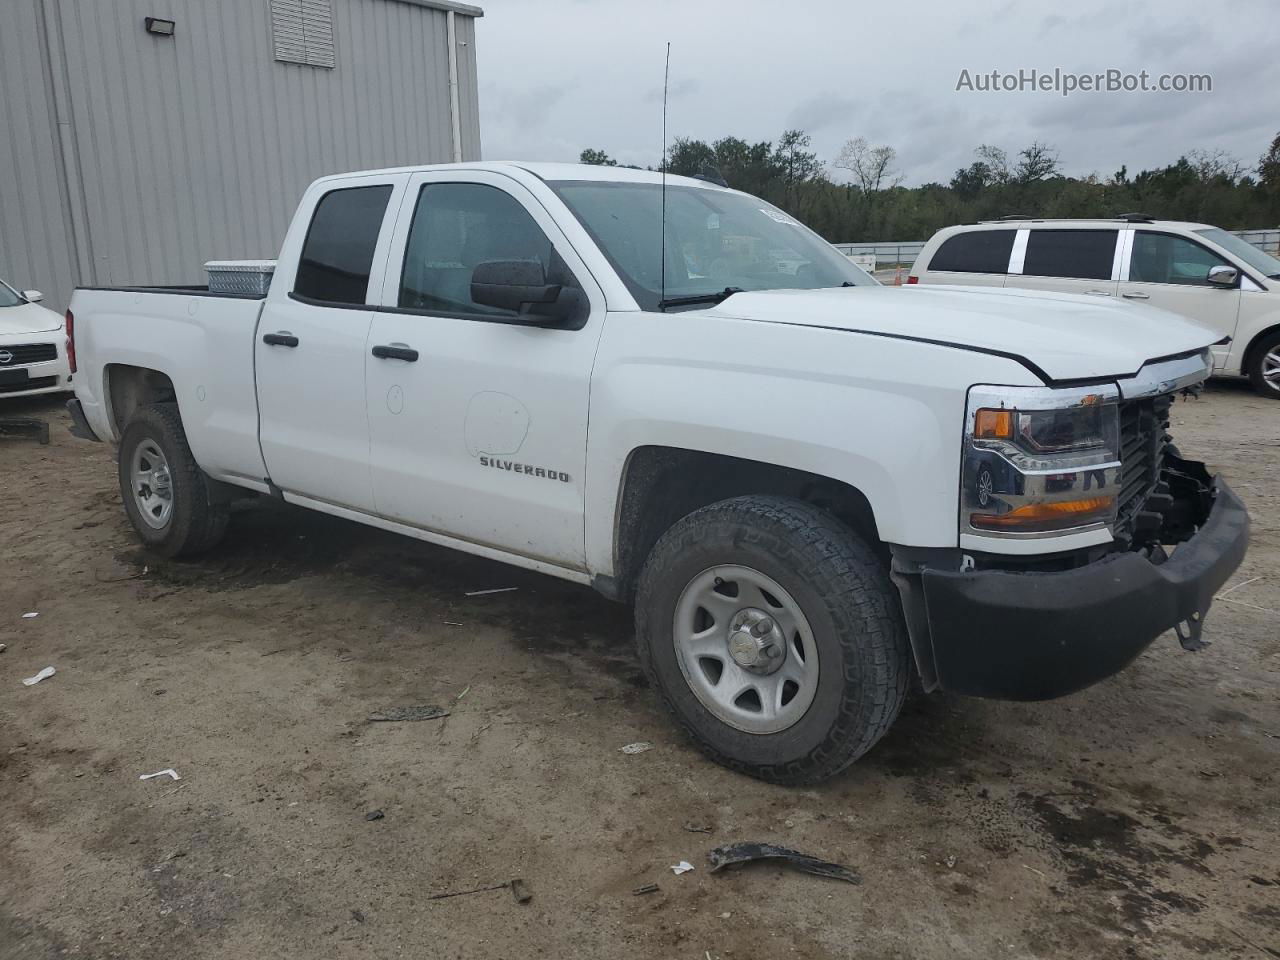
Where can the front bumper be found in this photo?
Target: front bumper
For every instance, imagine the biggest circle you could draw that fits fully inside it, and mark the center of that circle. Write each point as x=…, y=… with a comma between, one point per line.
x=1034, y=635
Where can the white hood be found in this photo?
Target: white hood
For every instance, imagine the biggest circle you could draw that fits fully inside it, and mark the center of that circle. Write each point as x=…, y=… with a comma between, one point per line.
x=1068, y=336
x=27, y=318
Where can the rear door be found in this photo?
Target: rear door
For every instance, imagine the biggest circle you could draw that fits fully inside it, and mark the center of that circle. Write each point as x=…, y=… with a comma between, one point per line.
x=310, y=344
x=478, y=416
x=1084, y=261
x=1171, y=271
x=973, y=258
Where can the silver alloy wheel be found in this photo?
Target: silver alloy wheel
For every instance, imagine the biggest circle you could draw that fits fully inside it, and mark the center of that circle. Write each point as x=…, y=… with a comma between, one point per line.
x=151, y=484
x=746, y=649
x=1271, y=368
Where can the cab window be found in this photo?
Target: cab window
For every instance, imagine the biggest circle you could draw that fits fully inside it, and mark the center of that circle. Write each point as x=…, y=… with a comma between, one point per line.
x=457, y=226
x=1168, y=258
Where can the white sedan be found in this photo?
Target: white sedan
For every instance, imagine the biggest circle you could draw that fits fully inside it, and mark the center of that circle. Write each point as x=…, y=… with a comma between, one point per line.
x=33, y=346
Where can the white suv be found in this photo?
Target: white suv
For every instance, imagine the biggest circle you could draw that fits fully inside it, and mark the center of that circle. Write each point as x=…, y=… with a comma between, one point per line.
x=1199, y=271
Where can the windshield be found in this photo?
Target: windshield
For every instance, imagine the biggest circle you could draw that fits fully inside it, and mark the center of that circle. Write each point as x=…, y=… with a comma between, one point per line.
x=8, y=296
x=1261, y=261
x=715, y=240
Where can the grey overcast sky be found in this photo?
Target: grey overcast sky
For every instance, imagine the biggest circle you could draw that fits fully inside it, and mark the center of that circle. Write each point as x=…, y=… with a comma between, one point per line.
x=560, y=75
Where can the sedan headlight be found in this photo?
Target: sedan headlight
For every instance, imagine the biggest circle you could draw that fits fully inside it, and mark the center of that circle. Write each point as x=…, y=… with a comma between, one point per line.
x=1040, y=461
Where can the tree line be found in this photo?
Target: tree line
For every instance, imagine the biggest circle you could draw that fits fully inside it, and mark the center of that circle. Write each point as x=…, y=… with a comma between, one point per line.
x=860, y=197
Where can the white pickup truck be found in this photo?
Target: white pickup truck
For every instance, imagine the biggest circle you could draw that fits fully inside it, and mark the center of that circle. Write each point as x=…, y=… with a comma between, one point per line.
x=810, y=487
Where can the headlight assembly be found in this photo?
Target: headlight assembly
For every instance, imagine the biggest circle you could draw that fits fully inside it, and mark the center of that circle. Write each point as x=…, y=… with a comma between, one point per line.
x=1039, y=461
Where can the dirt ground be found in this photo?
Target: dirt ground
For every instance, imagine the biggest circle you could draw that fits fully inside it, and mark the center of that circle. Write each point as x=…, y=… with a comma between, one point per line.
x=1138, y=819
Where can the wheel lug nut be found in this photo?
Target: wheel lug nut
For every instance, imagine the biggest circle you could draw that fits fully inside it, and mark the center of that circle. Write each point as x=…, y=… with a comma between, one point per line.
x=761, y=627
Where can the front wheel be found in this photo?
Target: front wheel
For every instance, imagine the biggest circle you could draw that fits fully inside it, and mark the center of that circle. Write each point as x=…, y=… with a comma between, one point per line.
x=1264, y=367
x=166, y=494
x=773, y=636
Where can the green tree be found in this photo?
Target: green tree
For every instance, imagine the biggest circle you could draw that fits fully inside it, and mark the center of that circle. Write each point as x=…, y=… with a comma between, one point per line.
x=596, y=158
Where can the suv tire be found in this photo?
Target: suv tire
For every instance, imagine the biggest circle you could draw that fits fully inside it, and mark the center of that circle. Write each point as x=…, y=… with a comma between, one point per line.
x=1264, y=366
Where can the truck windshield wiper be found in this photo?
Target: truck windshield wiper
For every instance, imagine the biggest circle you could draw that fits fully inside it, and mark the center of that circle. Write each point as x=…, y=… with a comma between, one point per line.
x=717, y=297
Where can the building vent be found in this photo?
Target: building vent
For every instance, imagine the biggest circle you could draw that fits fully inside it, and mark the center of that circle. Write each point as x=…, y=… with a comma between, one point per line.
x=303, y=32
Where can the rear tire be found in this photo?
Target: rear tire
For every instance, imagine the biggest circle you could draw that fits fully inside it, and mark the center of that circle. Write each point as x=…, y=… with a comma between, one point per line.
x=168, y=498
x=1264, y=366
x=839, y=628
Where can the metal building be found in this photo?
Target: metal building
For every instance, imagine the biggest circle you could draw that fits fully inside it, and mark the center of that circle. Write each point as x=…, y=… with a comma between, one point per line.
x=141, y=138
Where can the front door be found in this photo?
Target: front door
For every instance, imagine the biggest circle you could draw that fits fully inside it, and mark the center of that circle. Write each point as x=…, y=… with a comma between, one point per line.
x=478, y=416
x=1171, y=271
x=310, y=348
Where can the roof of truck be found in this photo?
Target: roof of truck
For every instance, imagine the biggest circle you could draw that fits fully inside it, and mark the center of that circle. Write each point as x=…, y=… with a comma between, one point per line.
x=545, y=171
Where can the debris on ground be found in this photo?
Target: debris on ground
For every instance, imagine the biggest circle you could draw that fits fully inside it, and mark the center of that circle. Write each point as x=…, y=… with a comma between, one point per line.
x=25, y=427
x=409, y=714
x=30, y=616
x=485, y=593
x=647, y=888
x=698, y=827
x=633, y=748
x=736, y=853
x=495, y=886
x=464, y=692
x=3, y=647
x=684, y=866
x=520, y=891
x=357, y=916
x=168, y=772
x=374, y=815
x=44, y=674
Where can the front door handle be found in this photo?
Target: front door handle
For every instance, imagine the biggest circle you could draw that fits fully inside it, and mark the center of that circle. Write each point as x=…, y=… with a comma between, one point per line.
x=1135, y=296
x=395, y=351
x=282, y=339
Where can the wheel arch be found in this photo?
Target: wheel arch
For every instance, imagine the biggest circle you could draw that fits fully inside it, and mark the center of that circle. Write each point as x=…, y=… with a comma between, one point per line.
x=127, y=387
x=662, y=484
x=1250, y=351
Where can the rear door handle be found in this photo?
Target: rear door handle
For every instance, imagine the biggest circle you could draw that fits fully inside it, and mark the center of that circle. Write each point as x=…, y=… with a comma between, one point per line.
x=395, y=351
x=282, y=339
x=1135, y=296
x=1098, y=293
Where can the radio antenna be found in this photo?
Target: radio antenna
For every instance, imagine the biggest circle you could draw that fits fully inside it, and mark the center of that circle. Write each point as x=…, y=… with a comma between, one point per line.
x=662, y=246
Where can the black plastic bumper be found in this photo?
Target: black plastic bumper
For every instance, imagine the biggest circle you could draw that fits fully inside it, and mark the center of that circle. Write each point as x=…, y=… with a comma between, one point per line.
x=1036, y=635
x=79, y=425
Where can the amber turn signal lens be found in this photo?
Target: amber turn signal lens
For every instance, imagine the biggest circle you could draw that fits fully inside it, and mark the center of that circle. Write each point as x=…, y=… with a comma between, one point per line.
x=993, y=425
x=1039, y=517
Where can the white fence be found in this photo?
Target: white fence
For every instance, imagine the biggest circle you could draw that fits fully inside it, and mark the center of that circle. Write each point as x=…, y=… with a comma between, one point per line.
x=889, y=253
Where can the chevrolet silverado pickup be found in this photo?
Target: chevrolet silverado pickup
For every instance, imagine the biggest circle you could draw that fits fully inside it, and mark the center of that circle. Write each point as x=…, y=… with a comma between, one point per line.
x=810, y=487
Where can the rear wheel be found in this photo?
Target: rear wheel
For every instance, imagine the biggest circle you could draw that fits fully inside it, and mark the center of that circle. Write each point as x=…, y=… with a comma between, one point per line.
x=774, y=637
x=167, y=496
x=1264, y=367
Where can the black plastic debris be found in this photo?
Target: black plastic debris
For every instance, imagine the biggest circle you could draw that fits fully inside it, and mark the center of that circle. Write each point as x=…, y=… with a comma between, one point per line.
x=374, y=815
x=410, y=714
x=520, y=890
x=736, y=853
x=25, y=428
x=647, y=888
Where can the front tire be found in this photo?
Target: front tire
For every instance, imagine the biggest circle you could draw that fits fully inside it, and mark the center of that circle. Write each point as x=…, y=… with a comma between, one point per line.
x=166, y=494
x=1264, y=367
x=774, y=637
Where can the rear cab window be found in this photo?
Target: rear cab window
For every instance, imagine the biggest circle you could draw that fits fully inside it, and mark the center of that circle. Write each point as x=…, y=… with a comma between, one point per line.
x=337, y=254
x=975, y=251
x=1070, y=254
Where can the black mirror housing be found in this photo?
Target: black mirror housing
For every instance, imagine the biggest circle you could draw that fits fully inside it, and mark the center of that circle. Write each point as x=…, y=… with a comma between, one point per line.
x=512, y=285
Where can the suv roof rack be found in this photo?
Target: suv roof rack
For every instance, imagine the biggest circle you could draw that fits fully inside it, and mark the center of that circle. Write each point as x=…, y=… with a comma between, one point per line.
x=1136, y=218
x=1015, y=216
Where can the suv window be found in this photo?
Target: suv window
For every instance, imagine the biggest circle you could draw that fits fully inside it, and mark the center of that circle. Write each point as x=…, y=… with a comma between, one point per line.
x=338, y=252
x=978, y=251
x=1076, y=254
x=457, y=226
x=1168, y=258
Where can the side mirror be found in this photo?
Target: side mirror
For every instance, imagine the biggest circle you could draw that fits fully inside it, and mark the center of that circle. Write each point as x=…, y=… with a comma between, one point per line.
x=1221, y=276
x=35, y=296
x=512, y=285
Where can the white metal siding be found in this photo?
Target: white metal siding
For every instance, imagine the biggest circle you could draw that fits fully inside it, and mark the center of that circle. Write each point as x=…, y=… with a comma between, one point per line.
x=197, y=147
